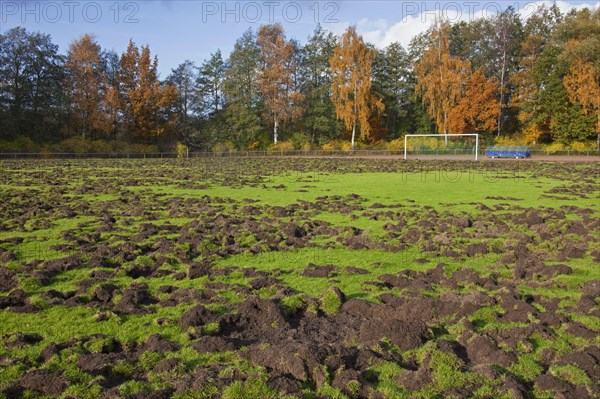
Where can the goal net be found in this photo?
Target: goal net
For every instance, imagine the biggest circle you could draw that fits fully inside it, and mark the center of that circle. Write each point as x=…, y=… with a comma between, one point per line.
x=442, y=144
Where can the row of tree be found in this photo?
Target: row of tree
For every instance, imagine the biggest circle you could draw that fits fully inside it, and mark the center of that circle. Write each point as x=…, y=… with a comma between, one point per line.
x=538, y=79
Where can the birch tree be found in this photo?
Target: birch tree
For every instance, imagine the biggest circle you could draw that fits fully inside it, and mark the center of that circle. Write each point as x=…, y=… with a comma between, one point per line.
x=351, y=88
x=276, y=76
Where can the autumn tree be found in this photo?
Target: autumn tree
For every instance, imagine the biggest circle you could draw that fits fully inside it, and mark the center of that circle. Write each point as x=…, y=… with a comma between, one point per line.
x=148, y=107
x=440, y=77
x=275, y=77
x=86, y=86
x=351, y=88
x=478, y=108
x=583, y=85
x=551, y=111
x=581, y=50
x=564, y=120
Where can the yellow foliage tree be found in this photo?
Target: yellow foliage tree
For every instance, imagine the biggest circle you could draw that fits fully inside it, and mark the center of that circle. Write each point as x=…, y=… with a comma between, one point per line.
x=582, y=84
x=351, y=85
x=275, y=78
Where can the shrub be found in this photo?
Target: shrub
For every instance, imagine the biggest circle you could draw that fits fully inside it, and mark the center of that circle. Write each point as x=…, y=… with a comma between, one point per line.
x=21, y=144
x=254, y=145
x=139, y=148
x=333, y=145
x=583, y=146
x=509, y=140
x=46, y=151
x=307, y=146
x=299, y=140
x=282, y=146
x=395, y=145
x=181, y=149
x=347, y=146
x=554, y=148
x=76, y=145
x=226, y=147
x=377, y=145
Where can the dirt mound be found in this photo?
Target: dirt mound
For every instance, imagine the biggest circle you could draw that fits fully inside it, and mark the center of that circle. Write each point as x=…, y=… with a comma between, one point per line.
x=210, y=344
x=461, y=329
x=284, y=384
x=156, y=343
x=405, y=334
x=16, y=301
x=196, y=316
x=319, y=271
x=104, y=293
x=484, y=350
x=159, y=394
x=199, y=269
x=19, y=340
x=134, y=298
x=167, y=365
x=8, y=279
x=44, y=381
x=98, y=363
x=256, y=320
x=280, y=360
x=263, y=282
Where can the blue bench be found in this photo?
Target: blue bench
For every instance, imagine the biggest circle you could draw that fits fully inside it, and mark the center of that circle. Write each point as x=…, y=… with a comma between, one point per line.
x=508, y=152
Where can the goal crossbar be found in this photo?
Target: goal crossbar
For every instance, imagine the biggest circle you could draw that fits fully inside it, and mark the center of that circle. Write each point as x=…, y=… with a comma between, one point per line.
x=443, y=135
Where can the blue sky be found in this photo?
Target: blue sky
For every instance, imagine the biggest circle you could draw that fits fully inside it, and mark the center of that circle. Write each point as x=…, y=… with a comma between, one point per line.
x=177, y=30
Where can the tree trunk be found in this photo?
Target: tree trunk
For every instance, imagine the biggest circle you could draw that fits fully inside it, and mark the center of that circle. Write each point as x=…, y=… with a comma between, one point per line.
x=445, y=129
x=355, y=115
x=353, y=133
x=275, y=130
x=502, y=90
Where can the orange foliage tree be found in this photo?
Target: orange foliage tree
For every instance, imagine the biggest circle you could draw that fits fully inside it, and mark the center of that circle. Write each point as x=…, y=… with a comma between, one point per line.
x=351, y=85
x=275, y=78
x=440, y=77
x=478, y=108
x=86, y=87
x=147, y=106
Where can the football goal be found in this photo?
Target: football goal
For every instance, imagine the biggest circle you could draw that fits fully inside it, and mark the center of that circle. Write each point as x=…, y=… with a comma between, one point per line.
x=447, y=149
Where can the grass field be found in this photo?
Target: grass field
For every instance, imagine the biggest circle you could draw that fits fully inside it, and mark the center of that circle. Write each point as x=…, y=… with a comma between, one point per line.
x=269, y=278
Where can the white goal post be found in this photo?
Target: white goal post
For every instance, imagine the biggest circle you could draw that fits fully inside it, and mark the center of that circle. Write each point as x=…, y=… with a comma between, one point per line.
x=444, y=135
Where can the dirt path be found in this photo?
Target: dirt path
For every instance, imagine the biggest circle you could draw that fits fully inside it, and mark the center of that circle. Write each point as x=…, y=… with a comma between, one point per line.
x=537, y=158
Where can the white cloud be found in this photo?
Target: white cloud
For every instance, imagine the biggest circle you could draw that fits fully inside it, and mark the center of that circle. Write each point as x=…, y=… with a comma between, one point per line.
x=381, y=33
